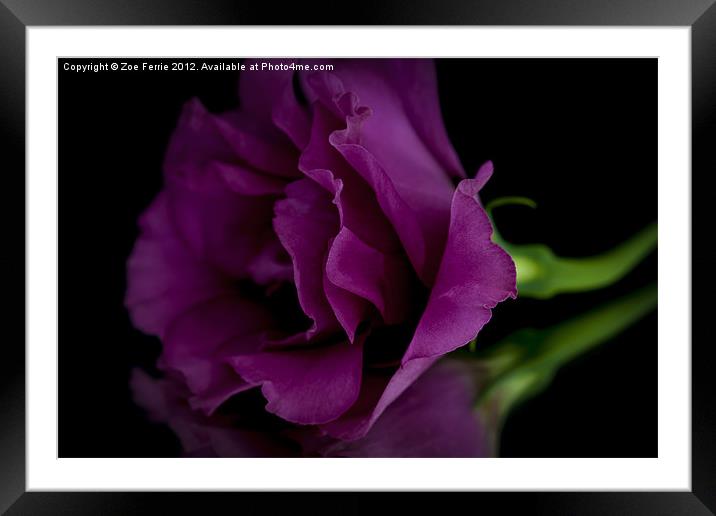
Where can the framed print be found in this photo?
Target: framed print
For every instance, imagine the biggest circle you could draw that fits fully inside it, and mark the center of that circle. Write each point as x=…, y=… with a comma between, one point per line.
x=359, y=258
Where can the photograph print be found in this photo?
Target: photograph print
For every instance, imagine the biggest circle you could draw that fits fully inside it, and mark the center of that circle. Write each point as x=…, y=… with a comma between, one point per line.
x=357, y=257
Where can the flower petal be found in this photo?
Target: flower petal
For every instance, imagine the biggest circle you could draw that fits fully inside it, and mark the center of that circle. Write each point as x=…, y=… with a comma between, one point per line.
x=198, y=341
x=350, y=309
x=393, y=155
x=220, y=205
x=359, y=215
x=154, y=296
x=415, y=81
x=382, y=279
x=248, y=182
x=306, y=386
x=224, y=230
x=403, y=95
x=233, y=138
x=356, y=202
x=377, y=393
x=475, y=275
x=305, y=222
x=268, y=95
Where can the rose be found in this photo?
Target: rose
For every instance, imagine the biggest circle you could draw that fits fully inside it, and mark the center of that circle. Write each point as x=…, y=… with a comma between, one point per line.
x=312, y=242
x=434, y=417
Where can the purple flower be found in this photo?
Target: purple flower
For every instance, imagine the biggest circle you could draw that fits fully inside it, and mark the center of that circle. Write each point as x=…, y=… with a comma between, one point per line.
x=312, y=243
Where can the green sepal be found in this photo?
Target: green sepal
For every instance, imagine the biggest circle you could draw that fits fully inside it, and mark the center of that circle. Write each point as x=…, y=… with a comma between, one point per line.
x=542, y=274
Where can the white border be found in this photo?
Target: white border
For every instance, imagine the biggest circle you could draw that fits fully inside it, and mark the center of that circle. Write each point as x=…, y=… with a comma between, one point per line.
x=670, y=471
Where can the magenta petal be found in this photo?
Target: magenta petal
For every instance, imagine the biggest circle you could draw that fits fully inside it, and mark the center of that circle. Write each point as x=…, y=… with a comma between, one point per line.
x=376, y=395
x=394, y=156
x=235, y=138
x=198, y=341
x=349, y=309
x=404, y=219
x=248, y=182
x=196, y=144
x=346, y=139
x=383, y=279
x=306, y=386
x=154, y=296
x=264, y=148
x=223, y=230
x=405, y=113
x=416, y=82
x=268, y=95
x=475, y=275
x=292, y=119
x=357, y=203
x=260, y=90
x=221, y=206
x=305, y=222
x=403, y=94
x=359, y=215
x=434, y=417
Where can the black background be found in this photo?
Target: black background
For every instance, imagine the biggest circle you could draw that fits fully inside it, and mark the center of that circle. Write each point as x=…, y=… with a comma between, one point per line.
x=577, y=136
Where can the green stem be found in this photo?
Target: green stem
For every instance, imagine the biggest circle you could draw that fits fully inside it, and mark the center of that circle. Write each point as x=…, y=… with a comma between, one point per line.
x=541, y=274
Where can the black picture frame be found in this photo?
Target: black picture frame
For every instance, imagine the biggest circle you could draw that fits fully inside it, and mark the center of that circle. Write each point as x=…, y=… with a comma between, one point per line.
x=17, y=15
